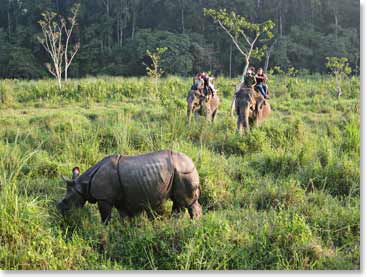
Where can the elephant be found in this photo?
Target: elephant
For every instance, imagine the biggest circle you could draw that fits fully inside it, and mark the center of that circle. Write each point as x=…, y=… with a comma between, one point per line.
x=251, y=108
x=133, y=184
x=198, y=103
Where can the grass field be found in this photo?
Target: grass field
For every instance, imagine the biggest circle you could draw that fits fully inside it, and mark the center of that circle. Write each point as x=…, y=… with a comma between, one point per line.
x=284, y=196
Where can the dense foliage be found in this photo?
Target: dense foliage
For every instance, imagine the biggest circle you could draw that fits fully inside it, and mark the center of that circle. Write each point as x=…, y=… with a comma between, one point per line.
x=115, y=34
x=285, y=196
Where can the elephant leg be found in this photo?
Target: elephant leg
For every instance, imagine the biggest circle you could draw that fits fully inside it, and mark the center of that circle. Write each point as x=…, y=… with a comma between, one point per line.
x=213, y=115
x=209, y=115
x=195, y=210
x=239, y=124
x=189, y=114
x=245, y=121
x=105, y=210
x=196, y=115
x=233, y=104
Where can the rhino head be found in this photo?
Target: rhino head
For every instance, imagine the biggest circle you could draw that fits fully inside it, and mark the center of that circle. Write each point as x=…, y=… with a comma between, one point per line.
x=74, y=197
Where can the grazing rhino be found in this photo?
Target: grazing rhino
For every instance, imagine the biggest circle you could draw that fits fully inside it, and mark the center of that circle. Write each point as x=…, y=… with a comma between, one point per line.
x=198, y=103
x=133, y=184
x=250, y=107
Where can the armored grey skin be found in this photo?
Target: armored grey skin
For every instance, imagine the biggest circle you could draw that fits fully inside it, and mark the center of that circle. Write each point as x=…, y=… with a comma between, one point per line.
x=250, y=107
x=133, y=184
x=196, y=102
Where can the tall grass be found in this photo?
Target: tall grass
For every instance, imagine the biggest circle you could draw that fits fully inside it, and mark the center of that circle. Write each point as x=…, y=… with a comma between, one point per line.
x=284, y=196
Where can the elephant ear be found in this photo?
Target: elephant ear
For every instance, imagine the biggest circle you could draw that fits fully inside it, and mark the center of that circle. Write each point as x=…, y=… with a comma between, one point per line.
x=259, y=105
x=197, y=93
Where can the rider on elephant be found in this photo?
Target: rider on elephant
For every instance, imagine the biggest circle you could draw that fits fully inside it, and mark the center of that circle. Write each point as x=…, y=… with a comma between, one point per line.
x=208, y=86
x=261, y=78
x=249, y=81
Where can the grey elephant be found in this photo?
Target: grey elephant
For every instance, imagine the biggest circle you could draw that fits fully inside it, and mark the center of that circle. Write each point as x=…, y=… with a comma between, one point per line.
x=133, y=184
x=250, y=107
x=198, y=103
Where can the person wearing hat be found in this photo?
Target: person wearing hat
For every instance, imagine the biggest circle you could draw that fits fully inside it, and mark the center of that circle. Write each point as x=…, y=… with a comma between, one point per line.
x=249, y=81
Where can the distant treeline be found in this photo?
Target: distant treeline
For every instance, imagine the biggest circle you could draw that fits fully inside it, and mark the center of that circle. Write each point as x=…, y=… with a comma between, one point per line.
x=115, y=34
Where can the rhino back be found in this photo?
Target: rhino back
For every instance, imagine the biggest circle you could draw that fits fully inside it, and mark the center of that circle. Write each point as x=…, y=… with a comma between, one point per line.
x=105, y=184
x=146, y=179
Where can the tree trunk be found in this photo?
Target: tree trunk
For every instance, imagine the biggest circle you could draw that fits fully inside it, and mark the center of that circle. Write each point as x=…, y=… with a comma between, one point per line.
x=182, y=20
x=246, y=67
x=230, y=61
x=280, y=25
x=66, y=73
x=258, y=4
x=268, y=54
x=267, y=58
x=280, y=12
x=133, y=24
x=59, y=82
x=9, y=23
x=118, y=29
x=336, y=24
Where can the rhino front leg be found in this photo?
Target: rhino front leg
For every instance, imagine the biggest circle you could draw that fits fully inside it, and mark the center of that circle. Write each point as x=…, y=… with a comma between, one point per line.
x=105, y=210
x=122, y=214
x=177, y=208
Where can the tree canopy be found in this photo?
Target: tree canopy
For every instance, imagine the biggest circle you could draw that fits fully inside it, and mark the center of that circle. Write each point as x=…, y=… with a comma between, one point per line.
x=115, y=34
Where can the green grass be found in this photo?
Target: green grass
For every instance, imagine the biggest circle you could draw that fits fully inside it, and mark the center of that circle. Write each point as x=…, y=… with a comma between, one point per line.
x=284, y=196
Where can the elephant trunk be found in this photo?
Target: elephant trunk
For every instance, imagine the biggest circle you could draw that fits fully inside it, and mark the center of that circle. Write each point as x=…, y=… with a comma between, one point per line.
x=189, y=109
x=233, y=105
x=246, y=116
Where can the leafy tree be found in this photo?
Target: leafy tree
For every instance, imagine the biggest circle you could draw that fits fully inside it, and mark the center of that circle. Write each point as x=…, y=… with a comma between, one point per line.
x=114, y=35
x=243, y=33
x=339, y=68
x=154, y=71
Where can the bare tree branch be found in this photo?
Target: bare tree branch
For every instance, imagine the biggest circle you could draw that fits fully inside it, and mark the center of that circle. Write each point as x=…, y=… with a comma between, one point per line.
x=232, y=37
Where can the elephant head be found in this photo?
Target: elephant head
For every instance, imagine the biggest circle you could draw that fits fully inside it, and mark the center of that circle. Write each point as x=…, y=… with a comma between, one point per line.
x=195, y=97
x=250, y=108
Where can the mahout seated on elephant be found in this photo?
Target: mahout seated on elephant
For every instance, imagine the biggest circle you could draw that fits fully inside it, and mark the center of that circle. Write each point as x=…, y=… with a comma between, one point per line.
x=202, y=101
x=133, y=184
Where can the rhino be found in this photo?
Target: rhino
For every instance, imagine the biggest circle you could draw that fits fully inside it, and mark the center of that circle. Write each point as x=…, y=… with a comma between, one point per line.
x=133, y=184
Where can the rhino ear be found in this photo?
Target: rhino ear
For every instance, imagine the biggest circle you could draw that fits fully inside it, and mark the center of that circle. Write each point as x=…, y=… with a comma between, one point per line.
x=68, y=181
x=75, y=171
